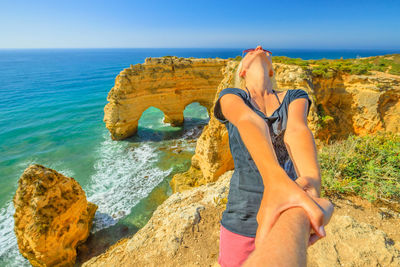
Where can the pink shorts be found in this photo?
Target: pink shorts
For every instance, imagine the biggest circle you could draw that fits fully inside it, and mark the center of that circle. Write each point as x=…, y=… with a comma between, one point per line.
x=233, y=248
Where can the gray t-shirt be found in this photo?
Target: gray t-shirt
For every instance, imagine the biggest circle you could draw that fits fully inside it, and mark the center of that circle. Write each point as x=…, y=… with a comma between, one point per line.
x=246, y=185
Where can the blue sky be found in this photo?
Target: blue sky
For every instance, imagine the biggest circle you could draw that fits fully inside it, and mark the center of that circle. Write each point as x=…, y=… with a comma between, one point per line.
x=231, y=24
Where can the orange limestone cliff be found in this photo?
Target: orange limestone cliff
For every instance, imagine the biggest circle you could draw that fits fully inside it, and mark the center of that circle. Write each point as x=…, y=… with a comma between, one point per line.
x=167, y=83
x=342, y=105
x=52, y=217
x=184, y=230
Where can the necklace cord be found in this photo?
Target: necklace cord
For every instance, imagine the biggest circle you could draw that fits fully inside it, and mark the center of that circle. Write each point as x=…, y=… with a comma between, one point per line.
x=272, y=91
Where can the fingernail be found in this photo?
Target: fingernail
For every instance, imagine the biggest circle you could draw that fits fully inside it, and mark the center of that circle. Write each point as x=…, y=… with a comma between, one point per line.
x=322, y=231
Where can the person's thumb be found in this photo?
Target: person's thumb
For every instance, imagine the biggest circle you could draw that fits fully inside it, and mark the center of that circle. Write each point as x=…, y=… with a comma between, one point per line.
x=316, y=217
x=313, y=238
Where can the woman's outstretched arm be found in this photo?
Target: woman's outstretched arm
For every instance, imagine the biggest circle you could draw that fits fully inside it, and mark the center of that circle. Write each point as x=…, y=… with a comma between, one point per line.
x=255, y=134
x=280, y=192
x=301, y=146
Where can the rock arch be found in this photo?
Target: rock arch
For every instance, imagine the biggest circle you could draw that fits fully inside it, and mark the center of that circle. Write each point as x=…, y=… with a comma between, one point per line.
x=204, y=104
x=167, y=83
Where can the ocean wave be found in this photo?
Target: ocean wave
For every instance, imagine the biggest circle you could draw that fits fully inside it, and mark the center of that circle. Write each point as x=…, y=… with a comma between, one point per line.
x=9, y=253
x=123, y=176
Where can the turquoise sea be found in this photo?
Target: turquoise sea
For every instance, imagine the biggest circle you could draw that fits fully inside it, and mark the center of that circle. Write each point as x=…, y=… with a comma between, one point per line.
x=51, y=113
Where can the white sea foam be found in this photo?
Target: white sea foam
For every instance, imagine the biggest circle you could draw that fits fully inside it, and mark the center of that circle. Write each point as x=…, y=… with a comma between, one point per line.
x=117, y=185
x=193, y=132
x=9, y=253
x=120, y=182
x=162, y=124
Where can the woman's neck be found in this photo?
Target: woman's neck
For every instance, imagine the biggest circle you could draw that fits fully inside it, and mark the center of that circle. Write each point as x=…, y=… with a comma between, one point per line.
x=261, y=86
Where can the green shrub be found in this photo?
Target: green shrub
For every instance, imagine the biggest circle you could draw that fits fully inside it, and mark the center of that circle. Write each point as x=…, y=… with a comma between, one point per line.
x=368, y=166
x=327, y=68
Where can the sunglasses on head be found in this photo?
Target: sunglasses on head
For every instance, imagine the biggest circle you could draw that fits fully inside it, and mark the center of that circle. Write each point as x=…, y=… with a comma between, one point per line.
x=252, y=49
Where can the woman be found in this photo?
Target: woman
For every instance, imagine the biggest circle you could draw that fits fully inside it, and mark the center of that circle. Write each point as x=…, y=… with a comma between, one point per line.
x=263, y=130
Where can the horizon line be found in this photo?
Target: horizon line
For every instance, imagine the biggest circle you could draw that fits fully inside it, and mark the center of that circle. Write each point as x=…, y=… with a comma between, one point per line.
x=286, y=48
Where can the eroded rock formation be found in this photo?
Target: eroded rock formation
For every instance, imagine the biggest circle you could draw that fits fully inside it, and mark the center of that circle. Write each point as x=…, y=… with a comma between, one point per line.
x=184, y=231
x=345, y=104
x=167, y=83
x=212, y=156
x=357, y=104
x=52, y=216
x=342, y=105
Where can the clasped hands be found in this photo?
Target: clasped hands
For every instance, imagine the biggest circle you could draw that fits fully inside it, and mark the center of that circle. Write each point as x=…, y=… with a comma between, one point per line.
x=283, y=193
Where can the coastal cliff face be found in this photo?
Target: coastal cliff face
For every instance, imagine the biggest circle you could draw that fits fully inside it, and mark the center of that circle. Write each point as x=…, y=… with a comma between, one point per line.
x=212, y=156
x=169, y=238
x=167, y=83
x=346, y=103
x=358, y=104
x=184, y=231
x=342, y=105
x=52, y=217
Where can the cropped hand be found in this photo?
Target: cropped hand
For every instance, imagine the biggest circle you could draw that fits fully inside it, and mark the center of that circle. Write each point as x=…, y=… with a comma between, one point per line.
x=311, y=185
x=327, y=208
x=283, y=193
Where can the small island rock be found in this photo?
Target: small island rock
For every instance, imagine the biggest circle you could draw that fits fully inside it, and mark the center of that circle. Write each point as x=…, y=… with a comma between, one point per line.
x=52, y=216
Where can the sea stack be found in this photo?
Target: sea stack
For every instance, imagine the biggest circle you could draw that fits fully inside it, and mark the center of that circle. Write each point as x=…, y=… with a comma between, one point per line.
x=168, y=83
x=52, y=216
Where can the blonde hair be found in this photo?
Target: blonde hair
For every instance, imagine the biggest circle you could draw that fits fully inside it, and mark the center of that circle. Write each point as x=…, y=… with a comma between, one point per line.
x=240, y=82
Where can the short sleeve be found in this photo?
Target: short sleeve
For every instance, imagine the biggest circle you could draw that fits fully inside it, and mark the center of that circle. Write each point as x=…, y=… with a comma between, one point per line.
x=300, y=93
x=217, y=108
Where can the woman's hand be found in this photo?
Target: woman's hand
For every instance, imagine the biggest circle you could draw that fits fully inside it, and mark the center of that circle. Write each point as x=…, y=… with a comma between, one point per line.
x=311, y=185
x=283, y=193
x=327, y=208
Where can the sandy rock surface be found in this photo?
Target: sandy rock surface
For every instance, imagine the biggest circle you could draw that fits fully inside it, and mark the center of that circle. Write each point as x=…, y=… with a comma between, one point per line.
x=175, y=236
